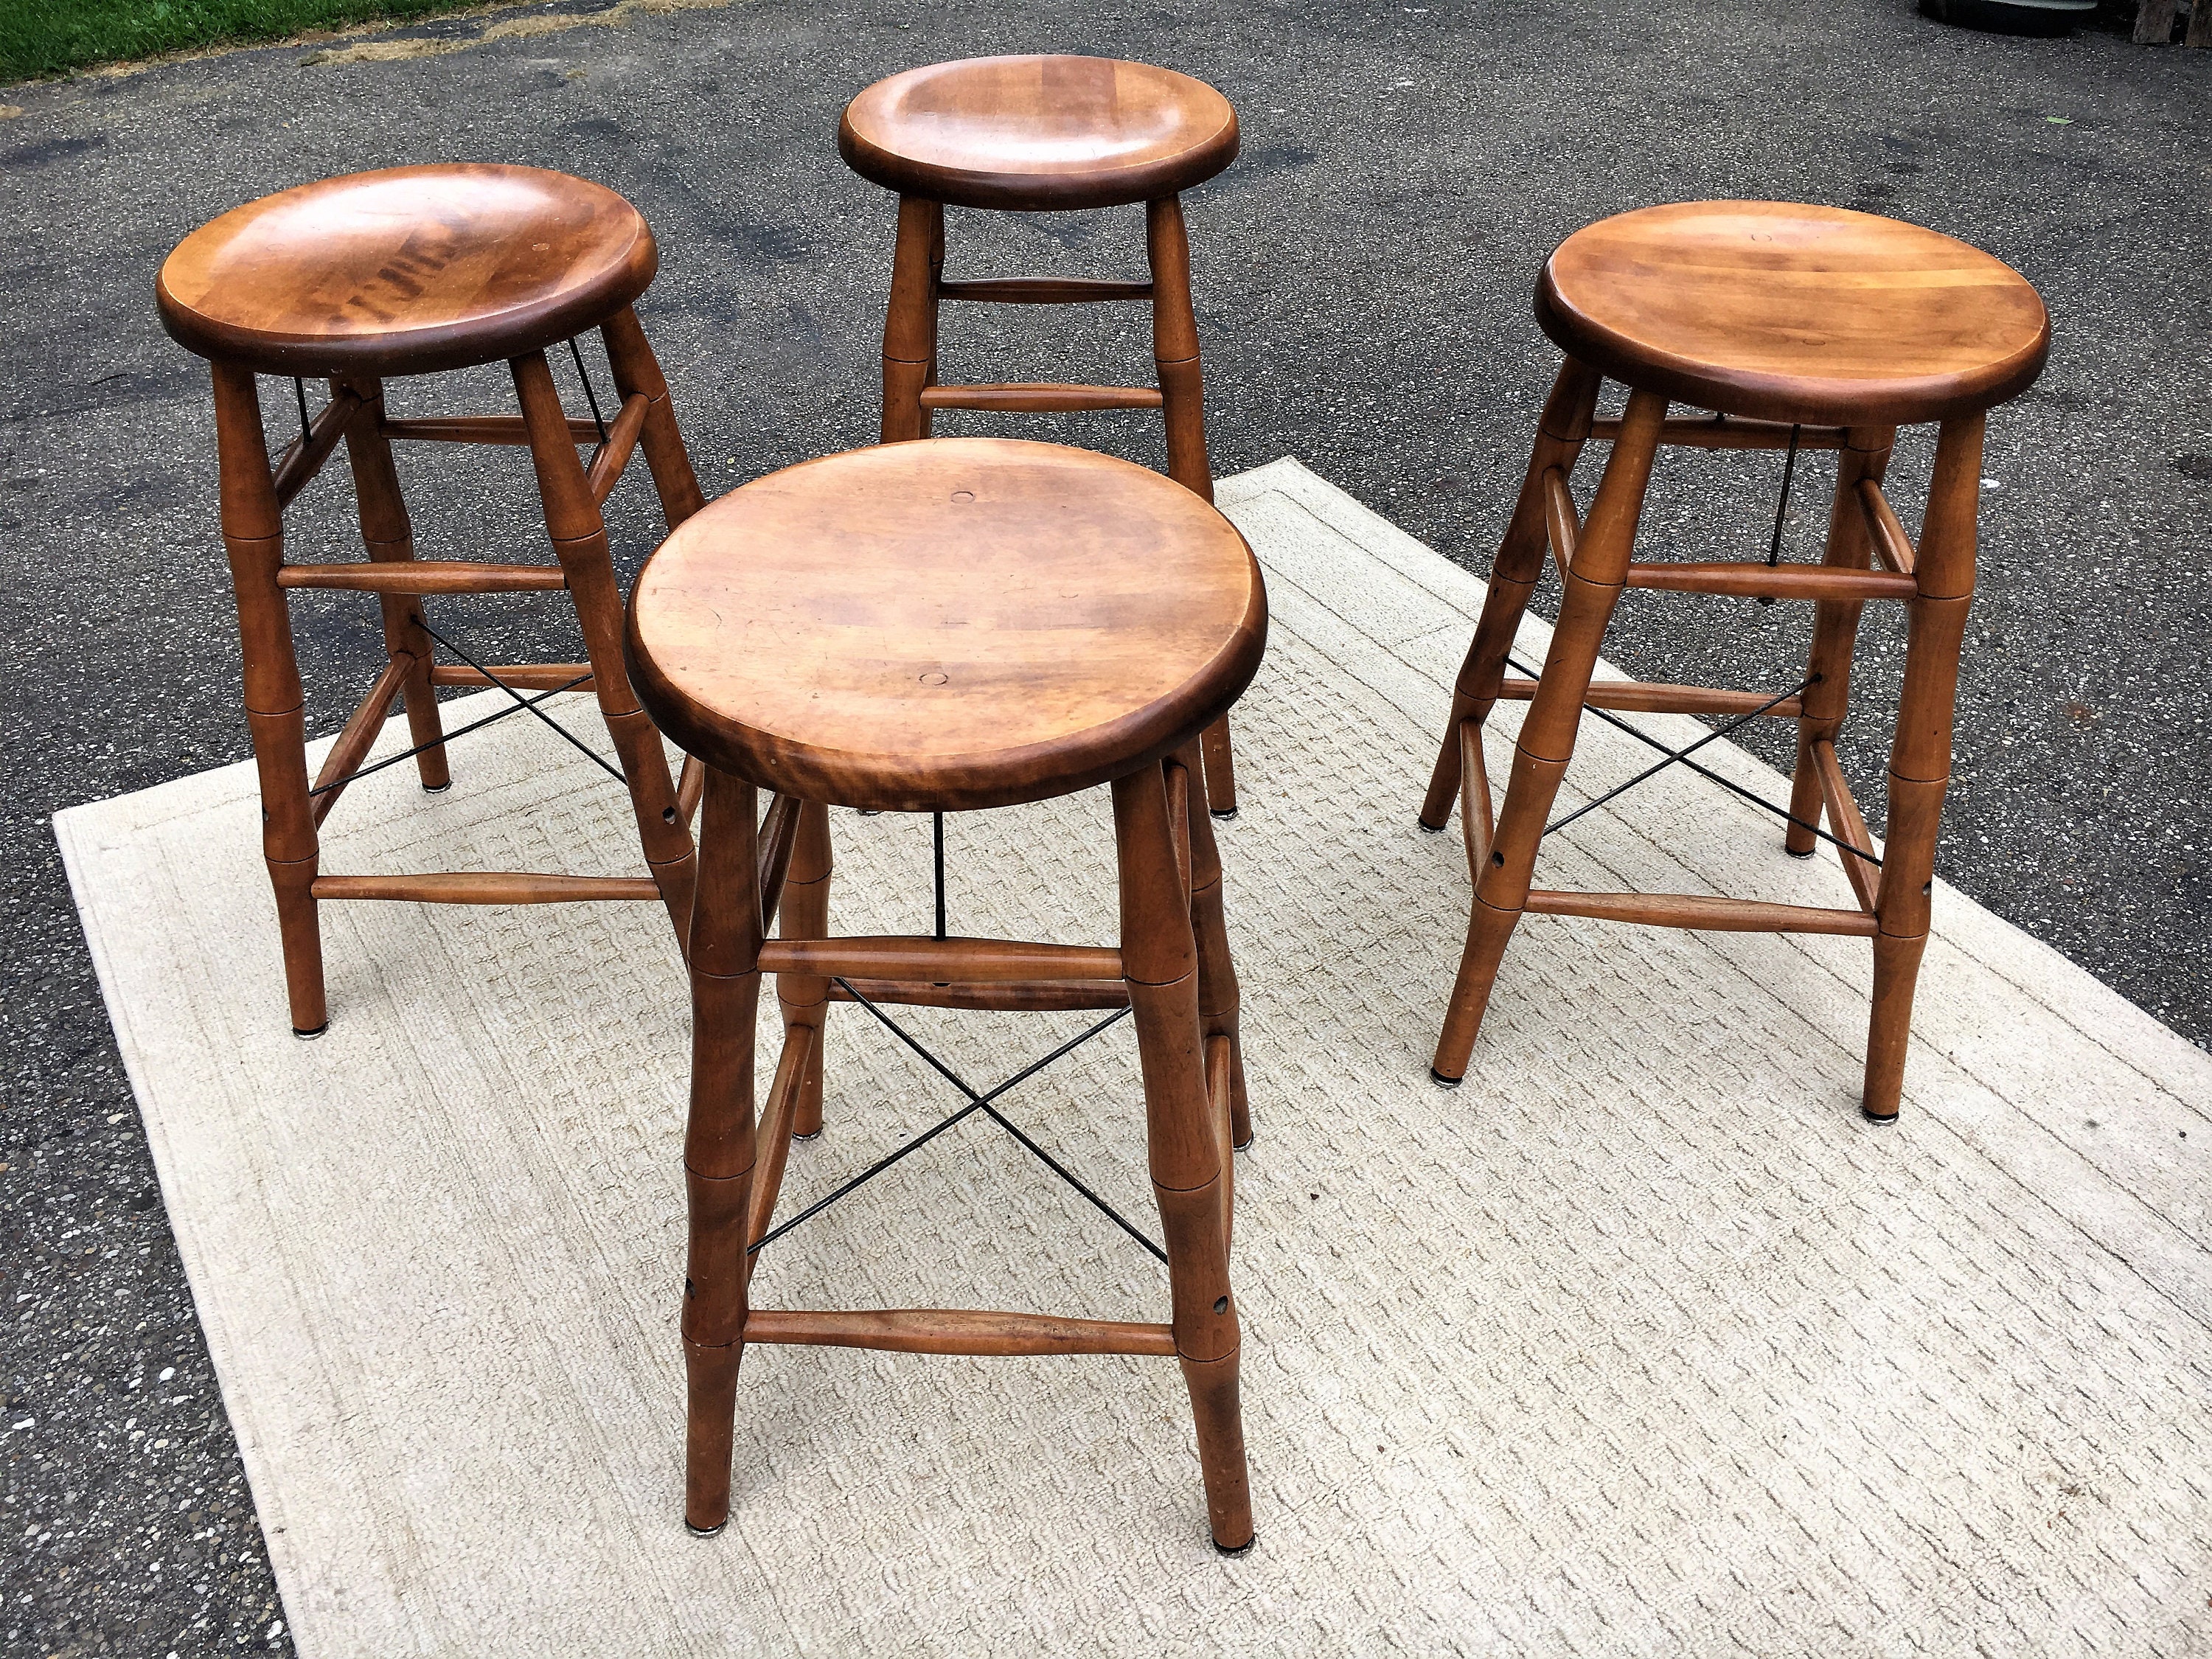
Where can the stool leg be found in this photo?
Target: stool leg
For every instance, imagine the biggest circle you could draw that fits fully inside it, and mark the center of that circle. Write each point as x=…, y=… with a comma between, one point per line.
x=936, y=306
x=805, y=914
x=1219, y=998
x=388, y=536
x=725, y=930
x=636, y=370
x=580, y=542
x=275, y=704
x=910, y=320
x=1864, y=456
x=1560, y=436
x=1183, y=399
x=1159, y=957
x=1546, y=742
x=1920, y=755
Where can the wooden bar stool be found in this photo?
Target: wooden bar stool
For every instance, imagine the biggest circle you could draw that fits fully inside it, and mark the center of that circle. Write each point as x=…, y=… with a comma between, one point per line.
x=1046, y=134
x=953, y=625
x=1824, y=328
x=414, y=270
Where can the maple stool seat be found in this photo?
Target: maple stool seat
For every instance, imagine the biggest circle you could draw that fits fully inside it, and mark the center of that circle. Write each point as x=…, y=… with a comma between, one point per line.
x=1046, y=134
x=1800, y=327
x=953, y=625
x=414, y=270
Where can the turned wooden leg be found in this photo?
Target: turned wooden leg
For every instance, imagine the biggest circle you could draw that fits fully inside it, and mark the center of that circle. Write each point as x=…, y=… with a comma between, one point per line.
x=1219, y=998
x=1863, y=458
x=275, y=704
x=718, y=1142
x=910, y=320
x=388, y=535
x=1182, y=400
x=580, y=542
x=1159, y=957
x=1560, y=436
x=1920, y=755
x=636, y=370
x=1546, y=741
x=804, y=998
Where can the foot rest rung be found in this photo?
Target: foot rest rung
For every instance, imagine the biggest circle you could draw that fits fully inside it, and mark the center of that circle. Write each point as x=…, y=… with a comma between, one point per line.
x=613, y=455
x=1043, y=290
x=479, y=429
x=956, y=1330
x=425, y=576
x=521, y=675
x=1774, y=581
x=1731, y=433
x=1041, y=399
x=1656, y=698
x=1701, y=912
x=934, y=960
x=486, y=887
x=1017, y=996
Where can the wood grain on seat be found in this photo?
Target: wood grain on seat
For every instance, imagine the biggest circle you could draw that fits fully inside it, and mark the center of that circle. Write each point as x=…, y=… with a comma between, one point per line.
x=947, y=624
x=1038, y=132
x=406, y=271
x=1788, y=312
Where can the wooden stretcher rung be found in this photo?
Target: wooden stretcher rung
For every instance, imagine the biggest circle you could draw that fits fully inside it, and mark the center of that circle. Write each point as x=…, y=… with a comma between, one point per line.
x=425, y=576
x=1042, y=291
x=1052, y=399
x=1478, y=822
x=778, y=835
x=1700, y=912
x=773, y=1143
x=1656, y=697
x=486, y=887
x=359, y=735
x=939, y=961
x=1891, y=544
x=521, y=675
x=956, y=1330
x=1729, y=434
x=304, y=457
x=479, y=429
x=1774, y=581
x=1850, y=826
x=607, y=465
x=1563, y=526
x=1008, y=997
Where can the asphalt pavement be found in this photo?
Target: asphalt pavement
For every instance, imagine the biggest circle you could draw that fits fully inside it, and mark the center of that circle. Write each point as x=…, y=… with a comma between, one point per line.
x=1364, y=275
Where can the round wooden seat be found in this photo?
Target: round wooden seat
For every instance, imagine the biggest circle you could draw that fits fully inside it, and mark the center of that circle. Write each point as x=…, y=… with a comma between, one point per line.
x=1787, y=313
x=406, y=271
x=1038, y=132
x=947, y=624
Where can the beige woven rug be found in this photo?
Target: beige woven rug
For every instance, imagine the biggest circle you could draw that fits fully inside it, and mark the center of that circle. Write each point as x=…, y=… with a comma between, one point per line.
x=1642, y=1342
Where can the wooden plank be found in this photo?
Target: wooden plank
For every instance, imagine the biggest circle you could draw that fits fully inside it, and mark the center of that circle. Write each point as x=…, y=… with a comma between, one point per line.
x=1765, y=581
x=1041, y=399
x=1656, y=698
x=1845, y=818
x=487, y=887
x=425, y=576
x=2154, y=22
x=956, y=1330
x=1700, y=912
x=939, y=961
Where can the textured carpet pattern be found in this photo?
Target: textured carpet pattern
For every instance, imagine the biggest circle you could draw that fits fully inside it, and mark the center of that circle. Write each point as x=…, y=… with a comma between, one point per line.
x=1642, y=1341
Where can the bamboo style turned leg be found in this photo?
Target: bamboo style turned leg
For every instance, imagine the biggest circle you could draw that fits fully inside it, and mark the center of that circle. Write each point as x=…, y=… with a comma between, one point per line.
x=1220, y=998
x=1560, y=436
x=579, y=535
x=387, y=534
x=1865, y=458
x=910, y=319
x=1182, y=400
x=719, y=1150
x=804, y=998
x=1546, y=741
x=276, y=703
x=1920, y=754
x=1190, y=1177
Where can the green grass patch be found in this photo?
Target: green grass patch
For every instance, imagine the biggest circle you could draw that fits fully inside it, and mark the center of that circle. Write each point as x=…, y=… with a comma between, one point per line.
x=49, y=37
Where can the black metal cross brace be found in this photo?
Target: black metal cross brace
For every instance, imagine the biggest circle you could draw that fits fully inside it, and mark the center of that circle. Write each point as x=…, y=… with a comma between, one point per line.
x=1681, y=756
x=976, y=1103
